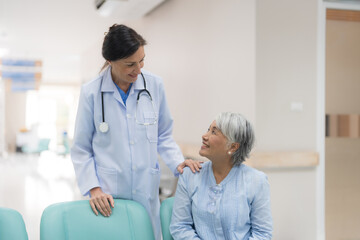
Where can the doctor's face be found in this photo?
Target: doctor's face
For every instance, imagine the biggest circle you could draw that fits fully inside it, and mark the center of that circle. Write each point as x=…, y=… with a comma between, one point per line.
x=214, y=144
x=125, y=71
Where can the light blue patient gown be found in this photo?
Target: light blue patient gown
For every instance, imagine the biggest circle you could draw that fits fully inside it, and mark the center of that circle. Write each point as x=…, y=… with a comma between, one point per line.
x=237, y=208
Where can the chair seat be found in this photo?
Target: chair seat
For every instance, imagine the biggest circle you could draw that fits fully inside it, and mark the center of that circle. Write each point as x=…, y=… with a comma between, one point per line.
x=76, y=220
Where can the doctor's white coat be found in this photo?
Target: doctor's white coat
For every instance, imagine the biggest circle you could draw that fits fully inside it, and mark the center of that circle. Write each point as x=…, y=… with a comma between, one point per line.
x=124, y=160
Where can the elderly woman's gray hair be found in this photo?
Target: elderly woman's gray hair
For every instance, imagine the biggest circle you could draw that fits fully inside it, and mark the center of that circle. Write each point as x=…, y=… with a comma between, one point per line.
x=237, y=129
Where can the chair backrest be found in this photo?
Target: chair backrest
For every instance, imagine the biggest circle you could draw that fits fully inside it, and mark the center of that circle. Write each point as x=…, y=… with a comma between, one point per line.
x=76, y=220
x=12, y=225
x=165, y=216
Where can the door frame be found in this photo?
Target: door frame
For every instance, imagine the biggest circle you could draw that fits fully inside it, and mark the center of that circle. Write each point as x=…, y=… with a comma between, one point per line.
x=321, y=46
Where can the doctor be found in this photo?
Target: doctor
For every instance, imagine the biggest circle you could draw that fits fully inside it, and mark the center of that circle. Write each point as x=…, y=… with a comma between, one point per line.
x=123, y=123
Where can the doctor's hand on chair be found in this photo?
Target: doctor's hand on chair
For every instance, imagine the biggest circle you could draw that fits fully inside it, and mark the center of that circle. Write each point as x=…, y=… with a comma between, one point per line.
x=193, y=165
x=99, y=201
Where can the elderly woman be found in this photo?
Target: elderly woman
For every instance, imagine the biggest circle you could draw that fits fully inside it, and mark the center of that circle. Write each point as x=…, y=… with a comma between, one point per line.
x=227, y=199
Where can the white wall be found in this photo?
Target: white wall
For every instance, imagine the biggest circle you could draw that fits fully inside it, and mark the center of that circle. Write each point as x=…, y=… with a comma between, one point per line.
x=293, y=202
x=286, y=71
x=205, y=50
x=61, y=69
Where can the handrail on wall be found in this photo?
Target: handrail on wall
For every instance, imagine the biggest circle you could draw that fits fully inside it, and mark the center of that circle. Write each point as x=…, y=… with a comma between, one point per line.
x=269, y=159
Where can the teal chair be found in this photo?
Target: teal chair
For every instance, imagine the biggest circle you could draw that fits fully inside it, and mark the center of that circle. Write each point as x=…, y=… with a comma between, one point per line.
x=42, y=145
x=12, y=226
x=76, y=220
x=165, y=216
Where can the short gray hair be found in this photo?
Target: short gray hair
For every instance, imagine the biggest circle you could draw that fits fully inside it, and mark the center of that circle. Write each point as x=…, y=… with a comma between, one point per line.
x=237, y=129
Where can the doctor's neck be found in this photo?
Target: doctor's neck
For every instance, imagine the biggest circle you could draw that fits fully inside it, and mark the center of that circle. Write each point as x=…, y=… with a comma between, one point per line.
x=121, y=84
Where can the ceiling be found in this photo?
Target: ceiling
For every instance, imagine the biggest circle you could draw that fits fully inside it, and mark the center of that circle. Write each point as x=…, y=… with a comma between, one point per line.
x=37, y=28
x=34, y=28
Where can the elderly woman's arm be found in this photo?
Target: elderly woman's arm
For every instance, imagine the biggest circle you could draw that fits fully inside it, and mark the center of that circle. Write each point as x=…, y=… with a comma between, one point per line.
x=260, y=216
x=182, y=224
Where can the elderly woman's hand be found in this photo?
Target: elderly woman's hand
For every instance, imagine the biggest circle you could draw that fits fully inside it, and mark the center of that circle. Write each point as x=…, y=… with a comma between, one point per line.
x=193, y=165
x=101, y=202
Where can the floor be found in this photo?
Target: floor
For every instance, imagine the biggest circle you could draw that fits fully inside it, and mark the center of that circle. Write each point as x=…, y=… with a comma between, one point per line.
x=30, y=183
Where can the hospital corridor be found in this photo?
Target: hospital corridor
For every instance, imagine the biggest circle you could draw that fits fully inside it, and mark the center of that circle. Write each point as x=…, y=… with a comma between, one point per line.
x=107, y=101
x=30, y=183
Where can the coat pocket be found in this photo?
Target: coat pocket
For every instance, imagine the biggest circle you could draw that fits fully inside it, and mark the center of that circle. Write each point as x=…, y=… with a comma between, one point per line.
x=108, y=180
x=152, y=127
x=154, y=182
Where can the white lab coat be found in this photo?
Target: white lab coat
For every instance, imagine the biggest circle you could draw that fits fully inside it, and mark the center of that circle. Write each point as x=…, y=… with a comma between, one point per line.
x=124, y=160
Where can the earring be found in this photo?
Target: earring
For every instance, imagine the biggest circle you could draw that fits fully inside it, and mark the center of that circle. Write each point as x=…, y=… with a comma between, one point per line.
x=229, y=153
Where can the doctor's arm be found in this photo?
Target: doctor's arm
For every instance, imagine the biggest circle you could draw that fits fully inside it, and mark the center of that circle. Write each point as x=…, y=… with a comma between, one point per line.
x=82, y=156
x=260, y=215
x=182, y=224
x=167, y=147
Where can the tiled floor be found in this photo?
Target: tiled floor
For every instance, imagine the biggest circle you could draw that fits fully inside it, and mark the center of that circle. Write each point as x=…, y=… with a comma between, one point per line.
x=30, y=183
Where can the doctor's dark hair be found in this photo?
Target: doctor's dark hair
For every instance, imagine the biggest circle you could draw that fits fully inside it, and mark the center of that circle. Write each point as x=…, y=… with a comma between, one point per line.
x=120, y=42
x=237, y=129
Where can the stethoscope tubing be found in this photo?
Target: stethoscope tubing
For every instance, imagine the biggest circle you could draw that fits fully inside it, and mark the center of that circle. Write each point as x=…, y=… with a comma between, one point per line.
x=104, y=125
x=102, y=104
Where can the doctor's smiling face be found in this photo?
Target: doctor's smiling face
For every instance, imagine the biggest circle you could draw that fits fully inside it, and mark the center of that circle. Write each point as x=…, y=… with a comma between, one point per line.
x=214, y=144
x=125, y=71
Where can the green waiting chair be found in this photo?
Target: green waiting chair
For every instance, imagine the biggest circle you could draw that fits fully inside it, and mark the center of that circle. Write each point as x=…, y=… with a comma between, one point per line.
x=165, y=216
x=12, y=225
x=76, y=220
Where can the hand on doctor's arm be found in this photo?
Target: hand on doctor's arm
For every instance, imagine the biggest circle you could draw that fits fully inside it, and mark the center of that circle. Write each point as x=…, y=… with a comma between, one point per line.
x=193, y=165
x=99, y=201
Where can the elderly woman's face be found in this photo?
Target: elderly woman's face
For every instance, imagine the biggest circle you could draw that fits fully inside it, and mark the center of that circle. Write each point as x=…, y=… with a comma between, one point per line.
x=214, y=143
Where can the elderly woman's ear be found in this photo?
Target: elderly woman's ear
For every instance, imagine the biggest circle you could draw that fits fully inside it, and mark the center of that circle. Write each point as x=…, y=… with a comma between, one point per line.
x=234, y=147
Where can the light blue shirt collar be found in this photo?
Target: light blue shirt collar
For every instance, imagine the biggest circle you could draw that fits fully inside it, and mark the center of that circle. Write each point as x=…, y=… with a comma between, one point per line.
x=124, y=95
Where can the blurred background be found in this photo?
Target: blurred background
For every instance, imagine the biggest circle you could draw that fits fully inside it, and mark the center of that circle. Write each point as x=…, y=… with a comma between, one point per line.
x=291, y=67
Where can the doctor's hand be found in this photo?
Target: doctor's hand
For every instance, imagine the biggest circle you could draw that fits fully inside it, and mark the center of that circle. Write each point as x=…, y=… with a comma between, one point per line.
x=193, y=165
x=99, y=201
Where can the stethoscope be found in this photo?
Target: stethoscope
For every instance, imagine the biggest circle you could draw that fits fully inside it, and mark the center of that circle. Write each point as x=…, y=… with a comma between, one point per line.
x=104, y=126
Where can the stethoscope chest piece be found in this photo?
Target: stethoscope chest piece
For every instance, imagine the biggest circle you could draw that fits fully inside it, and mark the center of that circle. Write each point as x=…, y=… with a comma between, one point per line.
x=104, y=127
